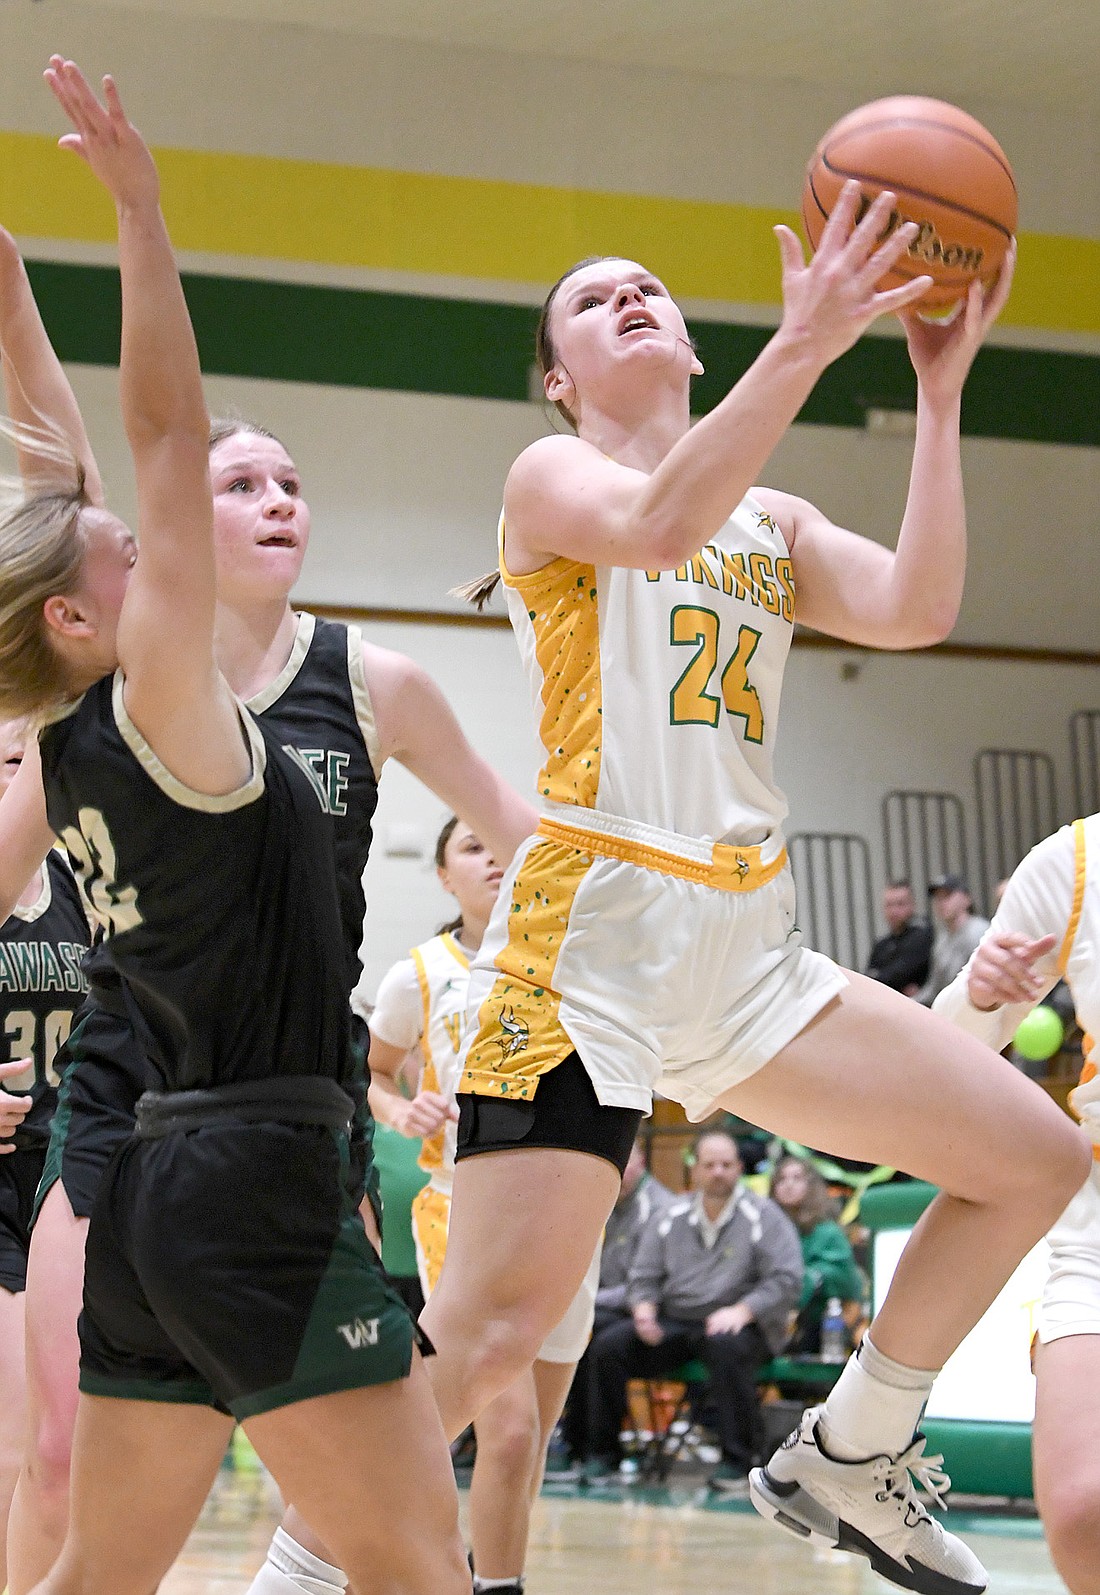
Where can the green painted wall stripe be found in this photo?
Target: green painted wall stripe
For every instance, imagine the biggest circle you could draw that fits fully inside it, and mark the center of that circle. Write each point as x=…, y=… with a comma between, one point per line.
x=343, y=337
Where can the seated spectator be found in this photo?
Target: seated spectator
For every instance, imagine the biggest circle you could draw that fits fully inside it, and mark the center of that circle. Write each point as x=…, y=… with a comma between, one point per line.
x=829, y=1268
x=715, y=1278
x=958, y=932
x=900, y=959
x=641, y=1200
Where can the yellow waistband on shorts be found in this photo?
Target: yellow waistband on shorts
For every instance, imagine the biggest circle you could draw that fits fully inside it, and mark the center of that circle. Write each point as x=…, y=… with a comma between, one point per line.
x=730, y=869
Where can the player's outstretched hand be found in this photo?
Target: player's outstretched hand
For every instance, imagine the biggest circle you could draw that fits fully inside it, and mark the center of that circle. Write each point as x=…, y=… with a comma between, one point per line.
x=1003, y=969
x=832, y=300
x=111, y=145
x=942, y=351
x=13, y=1110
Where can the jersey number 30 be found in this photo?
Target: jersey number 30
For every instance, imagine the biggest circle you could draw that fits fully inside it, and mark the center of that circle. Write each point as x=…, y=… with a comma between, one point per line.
x=691, y=702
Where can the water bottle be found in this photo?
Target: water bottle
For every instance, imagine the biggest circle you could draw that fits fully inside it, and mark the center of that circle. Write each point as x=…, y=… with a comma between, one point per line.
x=834, y=1332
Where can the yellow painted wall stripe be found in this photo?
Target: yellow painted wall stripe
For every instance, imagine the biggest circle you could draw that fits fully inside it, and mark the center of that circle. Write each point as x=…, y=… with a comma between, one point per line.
x=368, y=217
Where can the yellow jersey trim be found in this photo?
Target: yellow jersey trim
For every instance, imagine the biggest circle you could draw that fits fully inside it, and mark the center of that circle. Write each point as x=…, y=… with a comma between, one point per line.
x=1078, y=896
x=731, y=869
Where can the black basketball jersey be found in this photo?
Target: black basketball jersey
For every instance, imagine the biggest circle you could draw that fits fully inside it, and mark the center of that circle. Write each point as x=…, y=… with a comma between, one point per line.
x=221, y=913
x=320, y=709
x=41, y=987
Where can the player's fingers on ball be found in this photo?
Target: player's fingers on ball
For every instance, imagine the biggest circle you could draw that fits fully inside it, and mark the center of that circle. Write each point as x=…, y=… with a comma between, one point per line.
x=791, y=256
x=872, y=223
x=879, y=260
x=841, y=217
x=897, y=298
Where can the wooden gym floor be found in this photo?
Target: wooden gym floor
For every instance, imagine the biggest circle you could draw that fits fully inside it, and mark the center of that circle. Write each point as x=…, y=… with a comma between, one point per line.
x=627, y=1543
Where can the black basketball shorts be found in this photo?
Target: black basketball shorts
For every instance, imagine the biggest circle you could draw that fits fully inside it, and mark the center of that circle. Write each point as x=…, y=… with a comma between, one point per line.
x=20, y=1172
x=228, y=1266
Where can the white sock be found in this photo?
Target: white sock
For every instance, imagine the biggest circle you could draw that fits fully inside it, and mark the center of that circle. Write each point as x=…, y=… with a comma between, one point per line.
x=496, y=1583
x=292, y=1570
x=875, y=1405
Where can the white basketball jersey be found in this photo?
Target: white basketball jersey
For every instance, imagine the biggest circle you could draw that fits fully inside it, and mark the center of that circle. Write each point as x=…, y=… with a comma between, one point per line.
x=443, y=971
x=657, y=692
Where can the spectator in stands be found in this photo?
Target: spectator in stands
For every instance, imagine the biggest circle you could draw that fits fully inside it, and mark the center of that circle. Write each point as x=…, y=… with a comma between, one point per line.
x=829, y=1268
x=900, y=959
x=958, y=932
x=642, y=1200
x=716, y=1278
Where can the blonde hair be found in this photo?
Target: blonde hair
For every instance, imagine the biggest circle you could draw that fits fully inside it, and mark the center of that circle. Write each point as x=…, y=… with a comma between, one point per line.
x=42, y=548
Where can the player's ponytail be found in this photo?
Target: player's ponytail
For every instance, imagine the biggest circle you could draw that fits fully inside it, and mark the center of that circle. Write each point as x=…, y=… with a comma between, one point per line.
x=42, y=548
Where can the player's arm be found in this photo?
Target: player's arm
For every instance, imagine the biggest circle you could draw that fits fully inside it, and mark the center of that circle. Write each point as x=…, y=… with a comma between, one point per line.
x=37, y=390
x=417, y=727
x=420, y=1115
x=175, y=695
x=1016, y=962
x=564, y=498
x=909, y=596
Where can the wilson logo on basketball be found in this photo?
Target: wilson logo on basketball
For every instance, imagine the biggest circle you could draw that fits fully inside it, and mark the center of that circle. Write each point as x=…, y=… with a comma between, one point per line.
x=929, y=246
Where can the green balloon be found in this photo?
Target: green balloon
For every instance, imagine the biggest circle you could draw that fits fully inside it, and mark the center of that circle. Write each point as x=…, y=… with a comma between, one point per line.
x=1040, y=1035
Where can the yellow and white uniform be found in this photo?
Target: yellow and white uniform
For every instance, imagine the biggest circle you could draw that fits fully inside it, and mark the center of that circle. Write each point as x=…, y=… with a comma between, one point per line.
x=649, y=923
x=421, y=1007
x=1056, y=891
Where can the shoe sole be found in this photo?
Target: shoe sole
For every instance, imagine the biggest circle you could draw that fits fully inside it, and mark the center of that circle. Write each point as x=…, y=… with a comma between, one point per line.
x=791, y=1508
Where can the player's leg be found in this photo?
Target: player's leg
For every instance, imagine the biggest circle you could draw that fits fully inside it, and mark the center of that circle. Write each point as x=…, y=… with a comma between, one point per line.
x=358, y=1462
x=879, y=1078
x=501, y=1292
x=500, y=1490
x=141, y=1472
x=553, y=1382
x=55, y=1279
x=12, y=1406
x=1066, y=1456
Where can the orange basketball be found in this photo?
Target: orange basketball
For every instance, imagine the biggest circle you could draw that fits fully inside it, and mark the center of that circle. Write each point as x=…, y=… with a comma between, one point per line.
x=950, y=176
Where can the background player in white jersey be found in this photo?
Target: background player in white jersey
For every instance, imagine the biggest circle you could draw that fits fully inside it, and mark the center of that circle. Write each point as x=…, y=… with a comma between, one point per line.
x=420, y=1014
x=157, y=790
x=647, y=933
x=1046, y=929
x=261, y=526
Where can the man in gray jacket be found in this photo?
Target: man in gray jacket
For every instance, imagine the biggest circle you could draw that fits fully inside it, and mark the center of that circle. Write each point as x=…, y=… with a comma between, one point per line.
x=716, y=1278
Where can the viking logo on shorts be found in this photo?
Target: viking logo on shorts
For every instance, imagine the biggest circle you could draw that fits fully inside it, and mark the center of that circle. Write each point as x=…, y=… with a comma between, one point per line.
x=359, y=1334
x=516, y=1035
x=741, y=865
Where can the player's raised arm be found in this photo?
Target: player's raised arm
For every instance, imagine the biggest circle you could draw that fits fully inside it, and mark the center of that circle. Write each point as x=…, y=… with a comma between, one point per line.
x=39, y=397
x=174, y=694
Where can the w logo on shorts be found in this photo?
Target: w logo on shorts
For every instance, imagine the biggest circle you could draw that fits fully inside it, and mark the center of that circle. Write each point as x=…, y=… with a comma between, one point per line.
x=359, y=1334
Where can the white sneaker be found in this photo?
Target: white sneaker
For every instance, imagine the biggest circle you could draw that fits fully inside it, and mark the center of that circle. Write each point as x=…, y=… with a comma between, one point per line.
x=869, y=1508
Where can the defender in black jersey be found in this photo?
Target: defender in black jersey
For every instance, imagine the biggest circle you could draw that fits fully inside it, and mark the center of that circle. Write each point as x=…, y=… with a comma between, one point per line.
x=229, y=945
x=319, y=708
x=41, y=984
x=225, y=1265
x=41, y=988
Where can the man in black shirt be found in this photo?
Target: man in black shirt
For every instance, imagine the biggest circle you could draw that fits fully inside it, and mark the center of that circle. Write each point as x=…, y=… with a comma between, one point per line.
x=901, y=958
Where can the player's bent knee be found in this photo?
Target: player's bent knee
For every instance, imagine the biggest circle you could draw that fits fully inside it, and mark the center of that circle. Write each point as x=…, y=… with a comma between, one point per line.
x=48, y=1462
x=1071, y=1519
x=511, y=1445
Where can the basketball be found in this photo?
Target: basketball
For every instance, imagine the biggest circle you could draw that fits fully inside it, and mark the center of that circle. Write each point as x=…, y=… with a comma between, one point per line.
x=950, y=176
